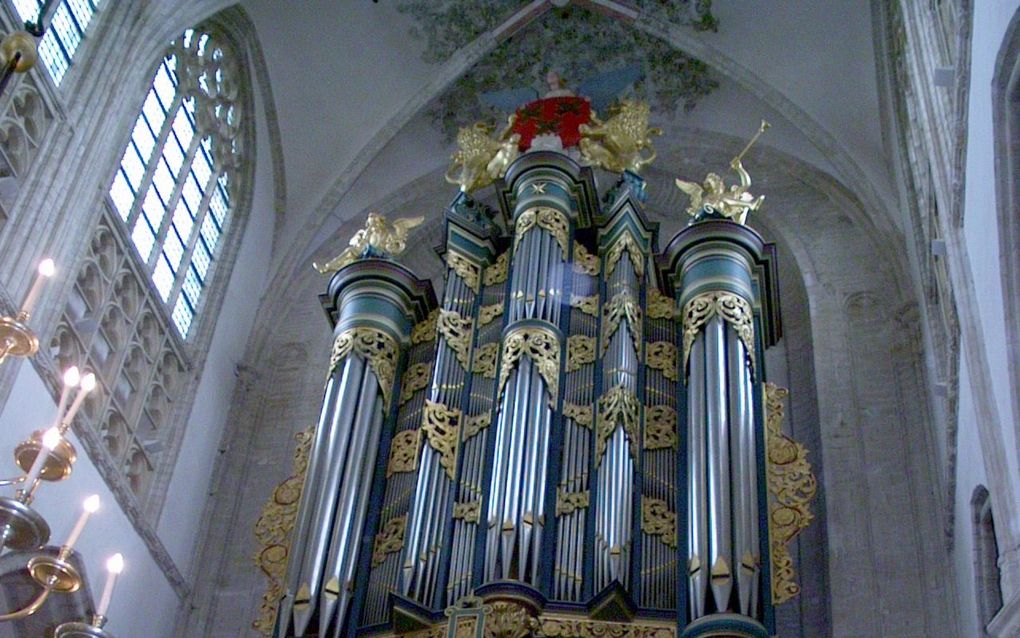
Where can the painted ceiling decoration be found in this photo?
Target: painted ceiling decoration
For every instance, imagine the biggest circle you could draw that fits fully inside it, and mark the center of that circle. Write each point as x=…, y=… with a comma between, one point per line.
x=574, y=41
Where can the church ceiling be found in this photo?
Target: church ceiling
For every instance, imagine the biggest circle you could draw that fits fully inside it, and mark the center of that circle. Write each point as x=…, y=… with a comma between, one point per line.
x=581, y=45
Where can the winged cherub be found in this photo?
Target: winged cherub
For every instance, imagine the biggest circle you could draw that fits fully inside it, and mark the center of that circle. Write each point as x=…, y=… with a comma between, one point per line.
x=712, y=198
x=378, y=236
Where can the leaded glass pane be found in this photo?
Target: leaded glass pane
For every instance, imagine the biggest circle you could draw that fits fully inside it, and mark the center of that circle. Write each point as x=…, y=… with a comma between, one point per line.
x=64, y=33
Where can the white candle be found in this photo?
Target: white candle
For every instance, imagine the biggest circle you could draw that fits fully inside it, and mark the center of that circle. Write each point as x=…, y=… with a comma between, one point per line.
x=50, y=440
x=88, y=383
x=114, y=566
x=46, y=270
x=88, y=508
x=71, y=379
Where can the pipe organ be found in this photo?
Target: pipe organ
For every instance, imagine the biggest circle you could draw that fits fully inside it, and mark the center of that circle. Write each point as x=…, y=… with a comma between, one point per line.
x=575, y=438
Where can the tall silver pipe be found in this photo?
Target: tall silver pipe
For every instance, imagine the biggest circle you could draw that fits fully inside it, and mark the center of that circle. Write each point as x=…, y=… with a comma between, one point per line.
x=720, y=515
x=697, y=532
x=745, y=510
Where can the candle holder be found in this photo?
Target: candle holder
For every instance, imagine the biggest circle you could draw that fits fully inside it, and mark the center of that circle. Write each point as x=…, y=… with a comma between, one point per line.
x=78, y=629
x=16, y=338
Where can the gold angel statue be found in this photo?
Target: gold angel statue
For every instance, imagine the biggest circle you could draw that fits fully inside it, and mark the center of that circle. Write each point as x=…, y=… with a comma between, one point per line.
x=480, y=159
x=623, y=142
x=379, y=235
x=713, y=198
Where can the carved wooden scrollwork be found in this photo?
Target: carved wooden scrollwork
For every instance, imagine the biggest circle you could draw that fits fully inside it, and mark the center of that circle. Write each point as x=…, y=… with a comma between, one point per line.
x=734, y=309
x=541, y=346
x=441, y=427
x=378, y=348
x=546, y=218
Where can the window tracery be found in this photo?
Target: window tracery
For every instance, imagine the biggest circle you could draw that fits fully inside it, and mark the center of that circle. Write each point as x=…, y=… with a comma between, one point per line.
x=65, y=31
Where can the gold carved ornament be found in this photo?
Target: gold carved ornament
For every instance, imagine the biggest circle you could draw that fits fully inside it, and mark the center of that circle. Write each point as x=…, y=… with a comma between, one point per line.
x=621, y=307
x=426, y=330
x=378, y=348
x=456, y=331
x=792, y=487
x=587, y=305
x=661, y=355
x=660, y=427
x=469, y=512
x=581, y=414
x=626, y=242
x=657, y=520
x=441, y=426
x=498, y=271
x=617, y=405
x=485, y=360
x=390, y=539
x=542, y=347
x=475, y=423
x=415, y=378
x=486, y=314
x=569, y=502
x=585, y=263
x=580, y=351
x=548, y=218
x=550, y=627
x=623, y=142
x=468, y=271
x=481, y=159
x=660, y=306
x=384, y=237
x=273, y=533
x=733, y=309
x=509, y=619
x=403, y=452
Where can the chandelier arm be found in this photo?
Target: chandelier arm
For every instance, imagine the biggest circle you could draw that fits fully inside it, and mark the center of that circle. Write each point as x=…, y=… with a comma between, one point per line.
x=12, y=481
x=29, y=609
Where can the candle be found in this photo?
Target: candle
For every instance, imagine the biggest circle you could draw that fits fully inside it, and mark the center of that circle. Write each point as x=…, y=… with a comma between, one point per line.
x=46, y=270
x=50, y=440
x=88, y=383
x=71, y=379
x=88, y=508
x=114, y=566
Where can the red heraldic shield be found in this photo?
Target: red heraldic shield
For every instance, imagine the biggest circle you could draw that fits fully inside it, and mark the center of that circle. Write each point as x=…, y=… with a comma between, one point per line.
x=561, y=116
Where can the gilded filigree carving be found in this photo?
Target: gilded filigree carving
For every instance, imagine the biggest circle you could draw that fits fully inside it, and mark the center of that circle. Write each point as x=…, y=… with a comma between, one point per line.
x=661, y=355
x=498, y=271
x=585, y=263
x=468, y=271
x=580, y=351
x=617, y=405
x=469, y=512
x=441, y=426
x=733, y=309
x=660, y=427
x=426, y=330
x=621, y=307
x=485, y=360
x=587, y=305
x=390, y=539
x=547, y=218
x=456, y=331
x=660, y=306
x=581, y=414
x=569, y=502
x=509, y=619
x=626, y=242
x=582, y=628
x=378, y=348
x=475, y=423
x=624, y=141
x=273, y=531
x=486, y=314
x=792, y=487
x=415, y=378
x=403, y=453
x=658, y=520
x=541, y=346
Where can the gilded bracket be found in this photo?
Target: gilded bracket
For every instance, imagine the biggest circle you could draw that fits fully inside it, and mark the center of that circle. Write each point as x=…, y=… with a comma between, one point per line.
x=660, y=427
x=403, y=452
x=660, y=306
x=469, y=512
x=378, y=348
x=475, y=423
x=792, y=487
x=585, y=263
x=658, y=520
x=587, y=305
x=617, y=405
x=486, y=314
x=662, y=355
x=415, y=378
x=441, y=426
x=626, y=242
x=580, y=351
x=498, y=271
x=548, y=218
x=581, y=414
x=569, y=502
x=389, y=540
x=426, y=330
x=542, y=346
x=733, y=309
x=456, y=331
x=621, y=307
x=466, y=269
x=485, y=360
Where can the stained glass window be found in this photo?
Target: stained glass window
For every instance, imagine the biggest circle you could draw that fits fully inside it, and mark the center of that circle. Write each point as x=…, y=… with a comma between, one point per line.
x=65, y=31
x=173, y=186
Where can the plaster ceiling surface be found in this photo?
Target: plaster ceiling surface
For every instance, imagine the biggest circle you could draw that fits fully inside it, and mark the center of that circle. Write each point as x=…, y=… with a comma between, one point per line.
x=344, y=73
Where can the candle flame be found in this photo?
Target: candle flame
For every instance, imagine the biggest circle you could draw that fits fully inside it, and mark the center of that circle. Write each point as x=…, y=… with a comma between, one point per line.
x=51, y=438
x=88, y=382
x=72, y=376
x=115, y=564
x=47, y=268
x=91, y=504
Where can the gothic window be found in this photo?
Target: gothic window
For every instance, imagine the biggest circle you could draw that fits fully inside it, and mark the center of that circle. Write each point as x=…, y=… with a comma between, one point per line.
x=986, y=557
x=65, y=31
x=174, y=187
